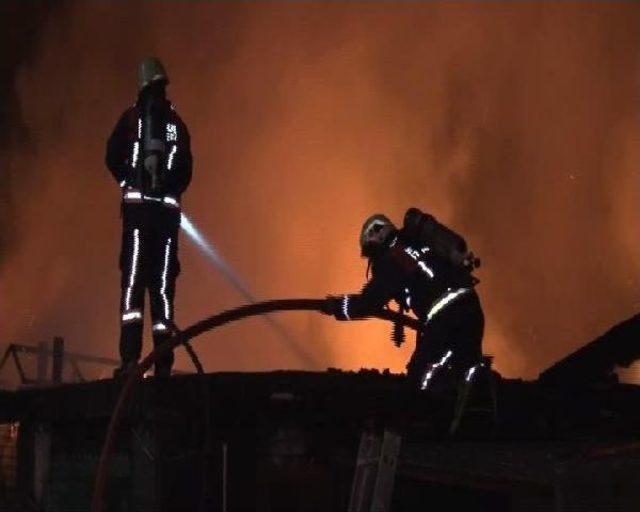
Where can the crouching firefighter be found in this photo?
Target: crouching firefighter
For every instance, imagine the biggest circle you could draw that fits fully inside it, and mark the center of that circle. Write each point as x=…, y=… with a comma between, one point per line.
x=149, y=155
x=424, y=267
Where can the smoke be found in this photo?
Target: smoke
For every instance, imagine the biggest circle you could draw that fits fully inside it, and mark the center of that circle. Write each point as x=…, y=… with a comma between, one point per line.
x=221, y=265
x=515, y=123
x=14, y=135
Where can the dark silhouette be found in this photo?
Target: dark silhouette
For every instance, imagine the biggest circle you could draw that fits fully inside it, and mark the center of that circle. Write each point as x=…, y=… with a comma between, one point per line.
x=426, y=268
x=149, y=155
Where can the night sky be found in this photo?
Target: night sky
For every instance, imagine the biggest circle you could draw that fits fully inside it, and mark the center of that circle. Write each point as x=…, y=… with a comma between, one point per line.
x=517, y=124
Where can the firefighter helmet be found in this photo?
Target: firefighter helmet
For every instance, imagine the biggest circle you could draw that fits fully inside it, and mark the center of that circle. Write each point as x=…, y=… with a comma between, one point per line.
x=374, y=230
x=151, y=70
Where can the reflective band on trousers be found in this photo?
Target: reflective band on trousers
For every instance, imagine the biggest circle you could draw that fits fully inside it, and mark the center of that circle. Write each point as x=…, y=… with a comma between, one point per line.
x=159, y=327
x=132, y=315
x=433, y=368
x=163, y=288
x=134, y=269
x=443, y=301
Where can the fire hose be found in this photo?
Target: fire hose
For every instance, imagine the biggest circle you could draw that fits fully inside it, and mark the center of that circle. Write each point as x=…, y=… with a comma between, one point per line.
x=182, y=338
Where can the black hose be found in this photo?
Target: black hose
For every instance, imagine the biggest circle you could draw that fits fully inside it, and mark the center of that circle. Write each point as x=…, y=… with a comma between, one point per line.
x=194, y=357
x=181, y=338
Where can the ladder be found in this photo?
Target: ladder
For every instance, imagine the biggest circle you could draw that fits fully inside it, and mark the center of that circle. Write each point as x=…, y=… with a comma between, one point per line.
x=375, y=472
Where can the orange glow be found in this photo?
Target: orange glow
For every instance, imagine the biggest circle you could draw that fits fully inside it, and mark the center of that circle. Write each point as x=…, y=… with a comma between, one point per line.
x=515, y=123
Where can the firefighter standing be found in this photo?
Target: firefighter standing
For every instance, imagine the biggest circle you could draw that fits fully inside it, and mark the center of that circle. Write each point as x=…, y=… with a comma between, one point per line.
x=425, y=268
x=149, y=155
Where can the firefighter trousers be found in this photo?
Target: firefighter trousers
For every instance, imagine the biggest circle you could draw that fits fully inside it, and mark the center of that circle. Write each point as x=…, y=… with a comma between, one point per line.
x=148, y=261
x=458, y=330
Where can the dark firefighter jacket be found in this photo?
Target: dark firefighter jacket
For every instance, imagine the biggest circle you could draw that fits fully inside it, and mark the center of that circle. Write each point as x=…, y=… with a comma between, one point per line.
x=412, y=274
x=126, y=153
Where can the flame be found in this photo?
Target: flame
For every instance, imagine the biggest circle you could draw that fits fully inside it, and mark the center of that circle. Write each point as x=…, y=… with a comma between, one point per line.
x=516, y=124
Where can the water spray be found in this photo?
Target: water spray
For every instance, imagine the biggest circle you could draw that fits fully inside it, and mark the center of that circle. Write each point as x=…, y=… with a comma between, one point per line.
x=214, y=256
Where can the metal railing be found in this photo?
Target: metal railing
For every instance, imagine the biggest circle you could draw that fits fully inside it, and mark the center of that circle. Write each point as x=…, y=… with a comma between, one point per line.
x=58, y=357
x=53, y=355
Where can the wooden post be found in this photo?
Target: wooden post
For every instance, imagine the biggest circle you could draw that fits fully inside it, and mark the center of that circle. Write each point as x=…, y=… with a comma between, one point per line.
x=58, y=360
x=41, y=463
x=42, y=371
x=224, y=476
